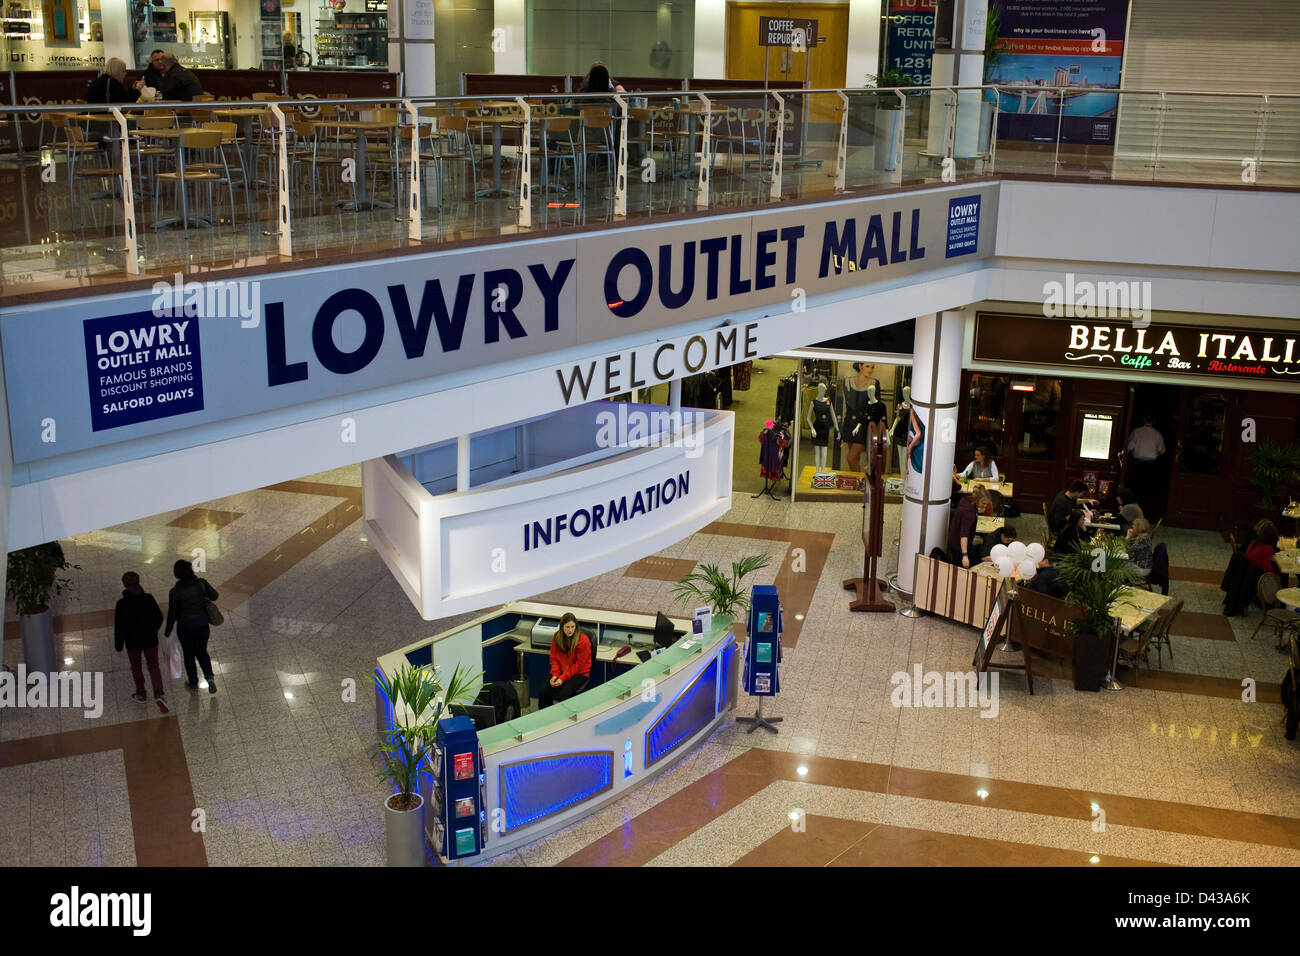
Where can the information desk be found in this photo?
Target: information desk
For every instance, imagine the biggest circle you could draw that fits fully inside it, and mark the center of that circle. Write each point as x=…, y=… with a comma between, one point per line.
x=547, y=769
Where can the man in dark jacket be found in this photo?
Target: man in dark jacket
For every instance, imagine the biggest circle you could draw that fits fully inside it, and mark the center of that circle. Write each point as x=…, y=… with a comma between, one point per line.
x=135, y=626
x=153, y=72
x=176, y=82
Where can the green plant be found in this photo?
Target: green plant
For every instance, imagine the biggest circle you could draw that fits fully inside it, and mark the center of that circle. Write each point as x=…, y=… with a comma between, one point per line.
x=419, y=704
x=33, y=576
x=1096, y=581
x=992, y=48
x=1274, y=467
x=726, y=595
x=887, y=80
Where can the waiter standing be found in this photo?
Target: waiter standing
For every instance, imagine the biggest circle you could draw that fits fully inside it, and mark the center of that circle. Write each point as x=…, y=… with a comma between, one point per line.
x=1145, y=447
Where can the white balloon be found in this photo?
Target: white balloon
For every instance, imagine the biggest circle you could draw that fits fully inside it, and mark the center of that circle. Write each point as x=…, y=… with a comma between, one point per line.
x=998, y=551
x=1036, y=552
x=1027, y=570
x=1006, y=567
x=1016, y=550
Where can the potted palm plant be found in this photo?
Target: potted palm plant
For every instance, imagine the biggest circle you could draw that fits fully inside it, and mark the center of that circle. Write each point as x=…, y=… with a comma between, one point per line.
x=35, y=574
x=1097, y=572
x=1274, y=468
x=419, y=704
x=726, y=595
x=889, y=115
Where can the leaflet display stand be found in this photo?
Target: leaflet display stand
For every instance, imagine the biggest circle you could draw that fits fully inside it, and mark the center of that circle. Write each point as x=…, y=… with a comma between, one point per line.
x=763, y=653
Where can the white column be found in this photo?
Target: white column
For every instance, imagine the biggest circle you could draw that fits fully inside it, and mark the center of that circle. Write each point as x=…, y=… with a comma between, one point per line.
x=864, y=42
x=510, y=44
x=710, y=40
x=117, y=33
x=961, y=66
x=410, y=45
x=462, y=463
x=936, y=387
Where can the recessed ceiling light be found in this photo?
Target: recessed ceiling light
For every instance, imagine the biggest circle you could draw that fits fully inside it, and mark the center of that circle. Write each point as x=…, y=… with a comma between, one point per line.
x=798, y=617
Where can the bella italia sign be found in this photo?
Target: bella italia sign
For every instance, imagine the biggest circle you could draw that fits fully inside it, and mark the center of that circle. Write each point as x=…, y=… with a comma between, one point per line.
x=1259, y=354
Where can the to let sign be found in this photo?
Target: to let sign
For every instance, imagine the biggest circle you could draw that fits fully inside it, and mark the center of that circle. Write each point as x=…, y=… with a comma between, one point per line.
x=787, y=31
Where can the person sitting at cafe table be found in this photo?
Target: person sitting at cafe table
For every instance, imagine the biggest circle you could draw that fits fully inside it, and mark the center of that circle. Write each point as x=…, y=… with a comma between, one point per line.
x=571, y=654
x=1129, y=509
x=1138, y=546
x=1046, y=580
x=109, y=86
x=1261, y=550
x=983, y=468
x=1065, y=502
x=1075, y=530
x=1263, y=526
x=174, y=81
x=1004, y=535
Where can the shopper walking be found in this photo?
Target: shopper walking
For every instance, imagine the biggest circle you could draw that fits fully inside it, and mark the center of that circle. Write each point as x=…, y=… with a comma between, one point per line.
x=187, y=611
x=136, y=620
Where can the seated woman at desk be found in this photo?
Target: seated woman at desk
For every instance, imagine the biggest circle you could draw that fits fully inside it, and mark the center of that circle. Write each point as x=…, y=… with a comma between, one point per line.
x=571, y=653
x=983, y=468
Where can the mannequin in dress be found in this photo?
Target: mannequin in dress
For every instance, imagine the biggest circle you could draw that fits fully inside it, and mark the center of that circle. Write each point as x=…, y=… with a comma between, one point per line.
x=860, y=391
x=821, y=419
x=898, y=429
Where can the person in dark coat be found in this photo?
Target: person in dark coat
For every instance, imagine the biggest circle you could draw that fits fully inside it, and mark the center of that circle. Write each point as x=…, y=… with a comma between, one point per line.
x=1072, y=533
x=110, y=86
x=153, y=73
x=187, y=611
x=136, y=620
x=961, y=533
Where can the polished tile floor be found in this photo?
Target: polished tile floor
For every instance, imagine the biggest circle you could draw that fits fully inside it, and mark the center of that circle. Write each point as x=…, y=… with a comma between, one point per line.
x=275, y=766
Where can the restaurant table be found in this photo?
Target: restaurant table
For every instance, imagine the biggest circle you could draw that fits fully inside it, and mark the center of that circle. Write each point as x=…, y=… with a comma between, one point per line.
x=1290, y=597
x=360, y=127
x=1133, y=608
x=1288, y=562
x=1103, y=526
x=986, y=524
x=1005, y=488
x=497, y=123
x=1292, y=511
x=185, y=219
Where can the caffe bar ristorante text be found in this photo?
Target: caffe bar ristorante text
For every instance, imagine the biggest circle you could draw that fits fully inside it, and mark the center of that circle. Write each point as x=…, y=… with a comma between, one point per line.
x=1160, y=350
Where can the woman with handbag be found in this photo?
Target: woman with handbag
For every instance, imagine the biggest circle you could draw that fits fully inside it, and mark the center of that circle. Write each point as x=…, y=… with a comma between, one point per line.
x=190, y=610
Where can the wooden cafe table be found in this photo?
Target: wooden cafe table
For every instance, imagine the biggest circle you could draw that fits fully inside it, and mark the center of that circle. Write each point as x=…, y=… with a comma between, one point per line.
x=364, y=200
x=1133, y=608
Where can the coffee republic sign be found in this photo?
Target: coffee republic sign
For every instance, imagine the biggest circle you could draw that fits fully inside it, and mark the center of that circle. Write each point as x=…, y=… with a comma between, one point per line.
x=1163, y=349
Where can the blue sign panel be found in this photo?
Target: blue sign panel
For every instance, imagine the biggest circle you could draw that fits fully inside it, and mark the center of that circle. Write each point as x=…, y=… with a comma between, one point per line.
x=142, y=367
x=963, y=226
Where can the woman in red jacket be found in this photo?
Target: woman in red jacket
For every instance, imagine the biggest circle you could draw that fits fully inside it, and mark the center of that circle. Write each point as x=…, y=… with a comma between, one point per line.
x=571, y=652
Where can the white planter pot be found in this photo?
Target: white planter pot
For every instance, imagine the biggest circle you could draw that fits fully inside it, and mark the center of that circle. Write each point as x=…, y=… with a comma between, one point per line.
x=889, y=127
x=38, y=641
x=404, y=833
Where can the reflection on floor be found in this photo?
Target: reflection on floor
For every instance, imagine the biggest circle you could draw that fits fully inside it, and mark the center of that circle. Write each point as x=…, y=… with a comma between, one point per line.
x=1181, y=769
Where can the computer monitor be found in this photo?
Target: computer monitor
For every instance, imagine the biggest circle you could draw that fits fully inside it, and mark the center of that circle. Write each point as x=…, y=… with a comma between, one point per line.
x=483, y=716
x=665, y=631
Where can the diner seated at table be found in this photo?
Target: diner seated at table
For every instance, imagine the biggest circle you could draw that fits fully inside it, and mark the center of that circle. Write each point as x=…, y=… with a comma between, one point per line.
x=982, y=468
x=174, y=81
x=1261, y=550
x=1129, y=509
x=1263, y=526
x=1074, y=531
x=1047, y=580
x=1068, y=500
x=1138, y=546
x=1004, y=535
x=110, y=86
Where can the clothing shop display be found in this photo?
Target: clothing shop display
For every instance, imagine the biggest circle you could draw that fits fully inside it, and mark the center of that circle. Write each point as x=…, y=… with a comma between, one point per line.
x=785, y=391
x=823, y=421
x=740, y=376
x=773, y=443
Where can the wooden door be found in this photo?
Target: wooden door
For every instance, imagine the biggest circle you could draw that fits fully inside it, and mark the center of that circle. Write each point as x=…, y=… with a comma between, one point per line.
x=745, y=58
x=1196, y=478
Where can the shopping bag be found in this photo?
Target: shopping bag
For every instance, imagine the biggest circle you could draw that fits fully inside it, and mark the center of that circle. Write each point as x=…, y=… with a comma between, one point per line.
x=171, y=649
